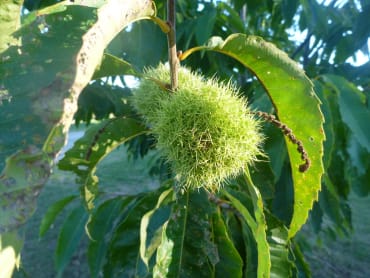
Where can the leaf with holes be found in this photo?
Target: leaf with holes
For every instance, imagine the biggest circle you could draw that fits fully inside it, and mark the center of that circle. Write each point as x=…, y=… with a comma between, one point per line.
x=99, y=140
x=61, y=47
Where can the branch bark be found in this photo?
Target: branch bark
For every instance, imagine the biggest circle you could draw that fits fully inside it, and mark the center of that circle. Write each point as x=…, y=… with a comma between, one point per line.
x=171, y=38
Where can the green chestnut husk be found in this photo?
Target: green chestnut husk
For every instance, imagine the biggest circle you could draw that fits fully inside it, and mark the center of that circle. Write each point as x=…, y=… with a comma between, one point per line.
x=204, y=129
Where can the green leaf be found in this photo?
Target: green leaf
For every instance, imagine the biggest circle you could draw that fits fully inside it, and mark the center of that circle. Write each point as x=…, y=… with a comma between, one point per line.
x=230, y=261
x=231, y=17
x=359, y=173
x=33, y=115
x=98, y=101
x=345, y=125
x=100, y=226
x=204, y=26
x=149, y=234
x=352, y=106
x=10, y=13
x=281, y=263
x=124, y=250
x=261, y=229
x=296, y=105
x=153, y=238
x=43, y=79
x=144, y=45
x=329, y=101
x=52, y=213
x=332, y=199
x=69, y=238
x=283, y=202
x=88, y=151
x=187, y=249
x=257, y=226
x=289, y=9
x=62, y=6
x=331, y=203
x=301, y=264
x=28, y=167
x=251, y=258
x=112, y=65
x=263, y=175
x=165, y=249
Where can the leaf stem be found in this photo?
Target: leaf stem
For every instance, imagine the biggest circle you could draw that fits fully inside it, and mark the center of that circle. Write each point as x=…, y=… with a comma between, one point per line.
x=171, y=38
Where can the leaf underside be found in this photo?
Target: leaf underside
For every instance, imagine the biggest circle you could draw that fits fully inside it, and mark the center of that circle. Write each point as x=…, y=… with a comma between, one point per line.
x=41, y=87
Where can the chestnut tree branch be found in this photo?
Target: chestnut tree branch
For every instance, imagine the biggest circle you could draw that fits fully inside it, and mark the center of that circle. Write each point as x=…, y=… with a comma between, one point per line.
x=171, y=38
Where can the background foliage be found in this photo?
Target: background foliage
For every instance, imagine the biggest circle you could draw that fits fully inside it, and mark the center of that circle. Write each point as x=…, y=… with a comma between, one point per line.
x=331, y=34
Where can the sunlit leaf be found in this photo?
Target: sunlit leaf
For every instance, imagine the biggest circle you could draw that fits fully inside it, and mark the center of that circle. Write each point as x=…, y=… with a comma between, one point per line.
x=10, y=12
x=148, y=231
x=296, y=105
x=42, y=79
x=10, y=253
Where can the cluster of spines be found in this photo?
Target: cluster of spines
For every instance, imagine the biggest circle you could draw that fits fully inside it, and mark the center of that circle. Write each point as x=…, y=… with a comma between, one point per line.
x=204, y=128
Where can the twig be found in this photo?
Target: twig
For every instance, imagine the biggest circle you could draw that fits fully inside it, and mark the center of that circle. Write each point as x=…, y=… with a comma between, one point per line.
x=171, y=38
